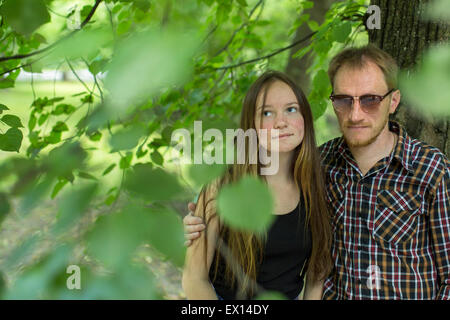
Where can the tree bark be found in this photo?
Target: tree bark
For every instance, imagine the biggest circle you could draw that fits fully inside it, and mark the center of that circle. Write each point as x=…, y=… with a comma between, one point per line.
x=405, y=35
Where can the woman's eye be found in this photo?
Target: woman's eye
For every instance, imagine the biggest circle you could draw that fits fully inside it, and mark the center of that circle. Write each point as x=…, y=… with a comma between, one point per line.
x=292, y=109
x=267, y=113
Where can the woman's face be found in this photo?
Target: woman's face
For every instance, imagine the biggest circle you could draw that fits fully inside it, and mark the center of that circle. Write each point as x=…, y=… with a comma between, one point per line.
x=280, y=111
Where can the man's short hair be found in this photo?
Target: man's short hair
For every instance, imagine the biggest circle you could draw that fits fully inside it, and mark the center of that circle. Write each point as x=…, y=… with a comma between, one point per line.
x=358, y=57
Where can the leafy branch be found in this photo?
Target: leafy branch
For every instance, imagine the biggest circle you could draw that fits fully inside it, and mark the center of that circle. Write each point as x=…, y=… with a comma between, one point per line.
x=267, y=56
x=84, y=23
x=238, y=29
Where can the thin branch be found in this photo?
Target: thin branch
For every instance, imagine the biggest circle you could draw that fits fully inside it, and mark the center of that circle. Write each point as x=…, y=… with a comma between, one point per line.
x=86, y=21
x=267, y=56
x=79, y=79
x=238, y=29
x=95, y=80
x=210, y=33
x=111, y=22
x=56, y=13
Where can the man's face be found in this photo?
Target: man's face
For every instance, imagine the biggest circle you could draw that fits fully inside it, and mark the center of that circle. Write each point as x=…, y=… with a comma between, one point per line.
x=359, y=128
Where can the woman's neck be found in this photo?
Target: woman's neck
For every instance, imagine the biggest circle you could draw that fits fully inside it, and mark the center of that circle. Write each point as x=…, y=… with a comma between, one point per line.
x=284, y=173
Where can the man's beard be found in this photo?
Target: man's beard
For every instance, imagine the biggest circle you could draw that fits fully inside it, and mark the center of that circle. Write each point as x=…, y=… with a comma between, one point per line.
x=370, y=140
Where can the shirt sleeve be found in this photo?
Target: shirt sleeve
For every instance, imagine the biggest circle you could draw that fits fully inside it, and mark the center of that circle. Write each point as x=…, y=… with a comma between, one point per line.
x=440, y=233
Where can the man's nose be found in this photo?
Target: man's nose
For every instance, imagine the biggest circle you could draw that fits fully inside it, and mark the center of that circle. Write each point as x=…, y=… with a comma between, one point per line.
x=356, y=113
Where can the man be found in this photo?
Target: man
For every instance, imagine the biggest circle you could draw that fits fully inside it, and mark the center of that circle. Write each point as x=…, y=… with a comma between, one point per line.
x=389, y=193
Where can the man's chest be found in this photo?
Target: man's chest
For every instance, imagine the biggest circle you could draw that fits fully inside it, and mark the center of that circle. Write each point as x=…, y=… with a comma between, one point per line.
x=388, y=206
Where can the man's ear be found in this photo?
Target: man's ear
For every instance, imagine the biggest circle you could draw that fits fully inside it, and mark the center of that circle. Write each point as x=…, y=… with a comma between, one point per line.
x=395, y=101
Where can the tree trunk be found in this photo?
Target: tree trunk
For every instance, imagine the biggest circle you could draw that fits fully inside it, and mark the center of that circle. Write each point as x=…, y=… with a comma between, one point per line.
x=404, y=35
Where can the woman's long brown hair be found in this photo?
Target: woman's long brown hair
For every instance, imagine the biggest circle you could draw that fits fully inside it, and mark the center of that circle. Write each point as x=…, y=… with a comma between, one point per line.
x=245, y=248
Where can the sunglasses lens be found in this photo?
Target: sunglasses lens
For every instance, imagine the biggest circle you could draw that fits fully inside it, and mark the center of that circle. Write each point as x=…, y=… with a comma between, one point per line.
x=370, y=103
x=342, y=103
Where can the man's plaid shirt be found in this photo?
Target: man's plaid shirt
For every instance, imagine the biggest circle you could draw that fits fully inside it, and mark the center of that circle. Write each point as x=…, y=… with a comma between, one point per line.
x=391, y=226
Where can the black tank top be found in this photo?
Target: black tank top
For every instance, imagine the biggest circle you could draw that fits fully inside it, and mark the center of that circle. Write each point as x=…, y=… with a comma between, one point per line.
x=286, y=253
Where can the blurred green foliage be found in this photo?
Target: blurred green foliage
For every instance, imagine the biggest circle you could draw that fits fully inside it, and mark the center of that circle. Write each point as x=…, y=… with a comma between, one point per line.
x=156, y=66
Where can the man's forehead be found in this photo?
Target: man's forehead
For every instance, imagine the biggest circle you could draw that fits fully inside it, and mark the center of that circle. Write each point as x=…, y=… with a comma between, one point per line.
x=366, y=76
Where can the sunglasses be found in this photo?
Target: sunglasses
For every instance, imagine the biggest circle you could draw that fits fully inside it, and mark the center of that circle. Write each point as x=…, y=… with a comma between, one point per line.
x=369, y=102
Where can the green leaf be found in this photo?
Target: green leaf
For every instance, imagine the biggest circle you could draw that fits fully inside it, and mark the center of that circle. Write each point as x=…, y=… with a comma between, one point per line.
x=140, y=152
x=318, y=106
x=84, y=12
x=307, y=4
x=5, y=207
x=25, y=16
x=109, y=169
x=246, y=205
x=166, y=134
x=125, y=162
x=60, y=127
x=152, y=184
x=114, y=237
x=95, y=136
x=300, y=53
x=57, y=188
x=426, y=88
x=173, y=230
x=157, y=158
x=123, y=27
x=322, y=47
x=313, y=25
x=63, y=108
x=36, y=282
x=86, y=175
x=53, y=138
x=321, y=83
x=202, y=174
x=43, y=118
x=31, y=122
x=166, y=55
x=22, y=250
x=89, y=98
x=7, y=83
x=438, y=10
x=64, y=159
x=34, y=194
x=127, y=138
x=12, y=121
x=82, y=44
x=143, y=5
x=11, y=140
x=55, y=99
x=73, y=205
x=223, y=12
x=98, y=66
x=342, y=31
x=3, y=108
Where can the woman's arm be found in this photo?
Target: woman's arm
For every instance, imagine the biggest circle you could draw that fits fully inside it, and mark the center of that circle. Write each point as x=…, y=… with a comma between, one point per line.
x=313, y=288
x=196, y=282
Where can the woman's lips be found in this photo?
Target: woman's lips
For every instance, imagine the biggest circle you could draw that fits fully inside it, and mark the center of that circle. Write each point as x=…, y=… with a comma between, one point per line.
x=284, y=135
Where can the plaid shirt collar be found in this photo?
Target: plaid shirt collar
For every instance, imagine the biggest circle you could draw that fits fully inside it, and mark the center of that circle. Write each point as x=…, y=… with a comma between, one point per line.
x=402, y=151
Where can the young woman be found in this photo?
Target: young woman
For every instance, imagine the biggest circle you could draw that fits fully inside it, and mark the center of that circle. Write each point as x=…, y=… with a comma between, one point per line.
x=230, y=264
